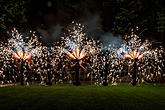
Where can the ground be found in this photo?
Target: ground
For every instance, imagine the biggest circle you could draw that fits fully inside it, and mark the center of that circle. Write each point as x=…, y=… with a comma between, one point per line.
x=84, y=97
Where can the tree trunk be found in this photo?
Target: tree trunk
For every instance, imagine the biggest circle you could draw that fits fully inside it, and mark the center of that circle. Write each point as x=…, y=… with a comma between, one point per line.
x=49, y=74
x=134, y=72
x=105, y=74
x=21, y=73
x=77, y=80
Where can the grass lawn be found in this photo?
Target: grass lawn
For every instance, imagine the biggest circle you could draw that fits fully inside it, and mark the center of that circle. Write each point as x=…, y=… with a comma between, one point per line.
x=85, y=97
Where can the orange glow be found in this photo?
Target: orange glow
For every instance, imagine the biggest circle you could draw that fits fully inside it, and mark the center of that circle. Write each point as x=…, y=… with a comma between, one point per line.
x=22, y=55
x=70, y=55
x=133, y=54
x=76, y=54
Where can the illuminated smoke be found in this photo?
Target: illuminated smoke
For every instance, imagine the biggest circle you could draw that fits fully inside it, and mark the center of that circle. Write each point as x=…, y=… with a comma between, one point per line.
x=94, y=55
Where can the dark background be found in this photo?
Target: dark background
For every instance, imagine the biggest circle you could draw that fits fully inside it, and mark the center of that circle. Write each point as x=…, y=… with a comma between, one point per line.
x=51, y=17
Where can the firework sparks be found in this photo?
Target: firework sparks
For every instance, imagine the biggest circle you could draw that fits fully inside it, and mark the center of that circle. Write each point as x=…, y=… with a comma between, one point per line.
x=134, y=55
x=22, y=55
x=76, y=54
x=86, y=53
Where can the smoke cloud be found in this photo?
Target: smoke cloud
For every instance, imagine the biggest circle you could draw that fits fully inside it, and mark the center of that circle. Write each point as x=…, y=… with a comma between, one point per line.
x=93, y=27
x=51, y=34
x=111, y=41
x=83, y=12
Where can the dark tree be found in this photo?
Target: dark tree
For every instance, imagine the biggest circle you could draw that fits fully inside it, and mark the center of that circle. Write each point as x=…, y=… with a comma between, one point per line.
x=13, y=13
x=77, y=73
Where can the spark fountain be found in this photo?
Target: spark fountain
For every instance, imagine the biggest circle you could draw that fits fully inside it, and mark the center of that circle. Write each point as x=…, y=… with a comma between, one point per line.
x=77, y=56
x=24, y=59
x=21, y=51
x=148, y=68
x=22, y=56
x=135, y=57
x=77, y=47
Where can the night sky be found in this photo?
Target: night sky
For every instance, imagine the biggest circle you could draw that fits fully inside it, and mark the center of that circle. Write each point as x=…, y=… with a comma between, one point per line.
x=99, y=16
x=117, y=17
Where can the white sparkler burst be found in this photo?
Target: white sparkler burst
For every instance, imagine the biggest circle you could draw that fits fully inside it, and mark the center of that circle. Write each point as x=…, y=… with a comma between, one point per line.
x=89, y=52
x=17, y=48
x=149, y=67
x=77, y=39
x=17, y=43
x=77, y=46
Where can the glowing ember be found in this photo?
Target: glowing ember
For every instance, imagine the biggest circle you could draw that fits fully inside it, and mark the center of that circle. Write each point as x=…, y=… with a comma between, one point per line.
x=22, y=55
x=134, y=55
x=76, y=54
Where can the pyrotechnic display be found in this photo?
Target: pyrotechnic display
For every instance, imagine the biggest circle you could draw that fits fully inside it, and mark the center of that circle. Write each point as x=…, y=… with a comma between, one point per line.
x=56, y=47
x=82, y=55
x=77, y=58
